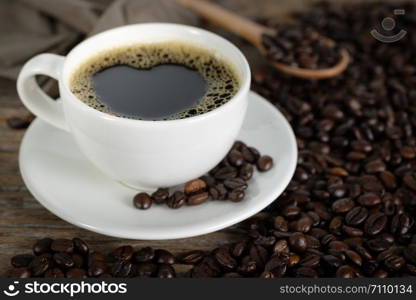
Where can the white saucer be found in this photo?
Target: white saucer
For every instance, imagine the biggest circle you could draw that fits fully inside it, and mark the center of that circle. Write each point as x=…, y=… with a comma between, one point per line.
x=63, y=181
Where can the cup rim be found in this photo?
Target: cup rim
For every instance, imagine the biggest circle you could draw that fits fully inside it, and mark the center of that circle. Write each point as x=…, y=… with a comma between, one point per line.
x=244, y=87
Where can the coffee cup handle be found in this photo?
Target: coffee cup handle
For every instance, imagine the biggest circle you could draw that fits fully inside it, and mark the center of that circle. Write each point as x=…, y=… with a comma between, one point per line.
x=33, y=97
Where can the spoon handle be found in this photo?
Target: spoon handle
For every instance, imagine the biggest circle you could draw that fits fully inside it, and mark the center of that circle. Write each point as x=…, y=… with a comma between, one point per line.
x=242, y=27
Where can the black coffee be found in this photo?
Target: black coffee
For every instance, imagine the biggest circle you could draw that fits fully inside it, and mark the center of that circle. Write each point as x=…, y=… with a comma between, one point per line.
x=156, y=81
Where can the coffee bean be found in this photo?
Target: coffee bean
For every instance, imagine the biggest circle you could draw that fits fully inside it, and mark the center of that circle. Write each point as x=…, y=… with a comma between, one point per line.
x=410, y=253
x=280, y=224
x=192, y=257
x=343, y=205
x=166, y=271
x=235, y=184
x=62, y=245
x=264, y=163
x=346, y=271
x=54, y=273
x=160, y=196
x=78, y=260
x=146, y=269
x=21, y=260
x=123, y=253
x=198, y=198
x=235, y=158
x=408, y=152
x=96, y=268
x=375, y=223
x=218, y=192
x=401, y=224
x=306, y=272
x=76, y=273
x=164, y=257
x=63, y=260
x=236, y=195
x=142, y=201
x=303, y=224
x=42, y=246
x=310, y=261
x=388, y=179
x=195, y=186
x=40, y=264
x=176, y=200
x=375, y=166
x=394, y=263
x=356, y=216
x=224, y=258
x=250, y=154
x=80, y=246
x=225, y=173
x=369, y=199
x=410, y=180
x=121, y=268
x=145, y=254
x=246, y=172
x=298, y=242
x=354, y=257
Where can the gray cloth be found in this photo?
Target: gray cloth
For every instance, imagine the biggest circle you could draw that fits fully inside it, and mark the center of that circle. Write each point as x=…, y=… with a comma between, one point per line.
x=29, y=27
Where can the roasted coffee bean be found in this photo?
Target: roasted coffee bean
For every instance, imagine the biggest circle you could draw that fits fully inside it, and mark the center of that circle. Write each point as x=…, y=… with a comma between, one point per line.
x=194, y=186
x=145, y=254
x=378, y=244
x=238, y=249
x=62, y=245
x=218, y=192
x=123, y=253
x=259, y=255
x=192, y=257
x=54, y=273
x=264, y=163
x=21, y=260
x=224, y=258
x=388, y=179
x=343, y=205
x=352, y=231
x=250, y=154
x=401, y=224
x=236, y=195
x=298, y=242
x=160, y=196
x=280, y=224
x=375, y=166
x=235, y=158
x=166, y=271
x=369, y=199
x=146, y=269
x=78, y=260
x=164, y=257
x=80, y=246
x=375, y=223
x=246, y=172
x=40, y=264
x=225, y=173
x=96, y=256
x=63, y=260
x=410, y=253
x=346, y=271
x=197, y=199
x=121, y=268
x=303, y=224
x=42, y=246
x=142, y=201
x=76, y=273
x=394, y=263
x=96, y=268
x=356, y=216
x=306, y=272
x=176, y=200
x=354, y=257
x=310, y=261
x=235, y=184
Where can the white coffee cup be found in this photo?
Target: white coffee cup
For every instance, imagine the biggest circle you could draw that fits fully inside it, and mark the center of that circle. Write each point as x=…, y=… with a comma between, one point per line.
x=141, y=154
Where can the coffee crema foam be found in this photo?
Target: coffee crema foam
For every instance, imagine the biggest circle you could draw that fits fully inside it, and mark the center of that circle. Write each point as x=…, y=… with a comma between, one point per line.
x=221, y=78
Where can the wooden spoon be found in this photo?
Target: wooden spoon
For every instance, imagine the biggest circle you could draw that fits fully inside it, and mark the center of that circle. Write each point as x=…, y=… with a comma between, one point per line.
x=253, y=33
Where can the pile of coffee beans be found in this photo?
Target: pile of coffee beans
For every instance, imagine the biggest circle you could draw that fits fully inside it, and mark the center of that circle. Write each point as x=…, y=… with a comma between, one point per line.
x=350, y=209
x=64, y=258
x=302, y=47
x=227, y=181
